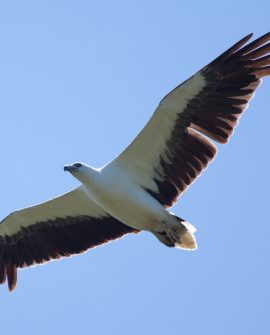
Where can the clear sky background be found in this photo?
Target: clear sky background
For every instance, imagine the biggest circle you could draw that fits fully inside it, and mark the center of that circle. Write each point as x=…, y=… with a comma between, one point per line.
x=78, y=80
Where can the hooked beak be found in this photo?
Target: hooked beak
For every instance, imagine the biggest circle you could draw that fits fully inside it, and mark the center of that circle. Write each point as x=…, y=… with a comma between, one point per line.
x=67, y=168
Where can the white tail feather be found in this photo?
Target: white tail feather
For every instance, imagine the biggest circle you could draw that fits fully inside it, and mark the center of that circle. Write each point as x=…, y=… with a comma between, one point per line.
x=178, y=233
x=187, y=241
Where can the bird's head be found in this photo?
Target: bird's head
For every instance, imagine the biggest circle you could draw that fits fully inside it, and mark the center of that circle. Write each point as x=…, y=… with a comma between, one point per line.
x=78, y=170
x=81, y=171
x=74, y=167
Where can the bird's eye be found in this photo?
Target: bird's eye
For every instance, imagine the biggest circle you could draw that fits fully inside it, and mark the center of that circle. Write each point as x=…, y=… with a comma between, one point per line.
x=78, y=165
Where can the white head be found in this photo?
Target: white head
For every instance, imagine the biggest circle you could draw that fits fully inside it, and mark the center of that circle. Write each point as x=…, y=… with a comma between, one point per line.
x=80, y=171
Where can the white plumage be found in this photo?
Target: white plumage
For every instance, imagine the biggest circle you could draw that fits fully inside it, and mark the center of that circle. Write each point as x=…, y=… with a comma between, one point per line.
x=133, y=192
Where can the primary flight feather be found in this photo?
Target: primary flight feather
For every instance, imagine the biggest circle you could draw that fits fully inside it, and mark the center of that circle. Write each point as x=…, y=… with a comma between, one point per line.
x=134, y=191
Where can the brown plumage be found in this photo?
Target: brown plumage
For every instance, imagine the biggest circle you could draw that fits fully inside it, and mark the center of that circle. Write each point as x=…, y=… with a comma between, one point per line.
x=49, y=240
x=231, y=81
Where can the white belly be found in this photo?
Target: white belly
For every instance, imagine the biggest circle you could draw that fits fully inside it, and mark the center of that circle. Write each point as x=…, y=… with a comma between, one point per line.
x=126, y=201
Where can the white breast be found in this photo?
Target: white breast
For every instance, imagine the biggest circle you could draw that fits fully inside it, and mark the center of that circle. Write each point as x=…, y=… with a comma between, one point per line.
x=112, y=190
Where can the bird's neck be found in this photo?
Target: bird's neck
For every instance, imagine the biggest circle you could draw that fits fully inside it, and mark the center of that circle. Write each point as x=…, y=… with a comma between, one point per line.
x=87, y=174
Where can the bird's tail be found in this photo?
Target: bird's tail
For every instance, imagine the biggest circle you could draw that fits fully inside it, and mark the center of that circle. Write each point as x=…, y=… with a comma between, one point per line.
x=178, y=233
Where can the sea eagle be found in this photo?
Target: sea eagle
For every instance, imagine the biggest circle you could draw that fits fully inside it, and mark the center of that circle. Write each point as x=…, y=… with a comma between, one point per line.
x=134, y=191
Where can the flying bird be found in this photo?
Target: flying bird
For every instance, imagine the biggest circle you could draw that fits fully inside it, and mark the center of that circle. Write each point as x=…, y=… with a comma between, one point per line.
x=135, y=191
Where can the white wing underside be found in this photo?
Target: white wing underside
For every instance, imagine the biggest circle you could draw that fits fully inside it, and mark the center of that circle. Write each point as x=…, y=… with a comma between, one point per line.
x=71, y=204
x=142, y=156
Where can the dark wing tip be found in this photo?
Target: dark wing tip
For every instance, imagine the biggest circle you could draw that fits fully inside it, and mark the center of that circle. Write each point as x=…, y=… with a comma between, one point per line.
x=3, y=273
x=11, y=276
x=246, y=38
x=44, y=241
x=232, y=49
x=8, y=272
x=233, y=78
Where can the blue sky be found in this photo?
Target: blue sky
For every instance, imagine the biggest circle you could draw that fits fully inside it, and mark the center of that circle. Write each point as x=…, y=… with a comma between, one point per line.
x=78, y=80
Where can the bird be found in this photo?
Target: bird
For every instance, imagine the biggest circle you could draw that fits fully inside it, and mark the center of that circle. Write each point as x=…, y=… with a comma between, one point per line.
x=134, y=192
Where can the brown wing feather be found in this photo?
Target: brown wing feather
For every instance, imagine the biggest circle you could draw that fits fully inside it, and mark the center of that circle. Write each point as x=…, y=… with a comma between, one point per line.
x=54, y=239
x=231, y=80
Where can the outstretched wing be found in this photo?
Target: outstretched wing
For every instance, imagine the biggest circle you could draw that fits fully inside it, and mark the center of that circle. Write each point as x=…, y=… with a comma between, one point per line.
x=171, y=151
x=67, y=225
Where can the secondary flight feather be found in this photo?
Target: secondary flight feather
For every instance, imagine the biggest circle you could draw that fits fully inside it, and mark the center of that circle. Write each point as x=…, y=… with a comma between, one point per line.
x=135, y=191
